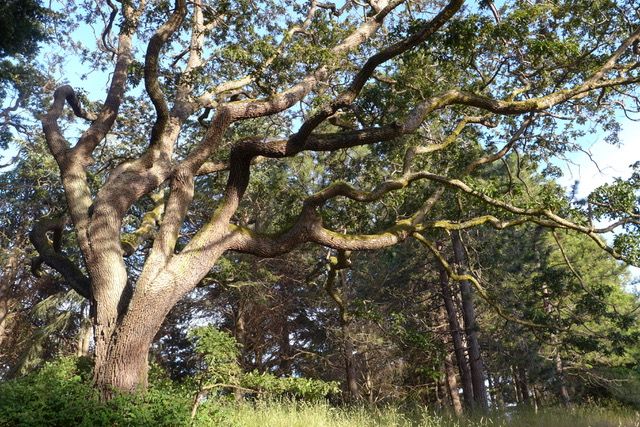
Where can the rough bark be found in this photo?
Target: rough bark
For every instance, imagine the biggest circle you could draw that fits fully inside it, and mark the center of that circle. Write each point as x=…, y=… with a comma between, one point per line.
x=336, y=265
x=7, y=279
x=471, y=327
x=450, y=369
x=522, y=382
x=457, y=339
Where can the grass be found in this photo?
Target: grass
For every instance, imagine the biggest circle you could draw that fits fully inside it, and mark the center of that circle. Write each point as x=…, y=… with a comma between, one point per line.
x=291, y=414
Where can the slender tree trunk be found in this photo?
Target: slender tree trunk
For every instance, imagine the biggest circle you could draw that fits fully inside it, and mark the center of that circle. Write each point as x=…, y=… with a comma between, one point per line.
x=6, y=281
x=348, y=347
x=285, y=344
x=471, y=327
x=84, y=338
x=457, y=339
x=523, y=385
x=563, y=391
x=349, y=364
x=500, y=393
x=537, y=398
x=452, y=384
x=561, y=386
x=240, y=334
x=367, y=379
x=449, y=368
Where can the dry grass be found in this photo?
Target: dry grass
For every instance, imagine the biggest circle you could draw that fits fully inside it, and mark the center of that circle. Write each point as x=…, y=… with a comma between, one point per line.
x=289, y=414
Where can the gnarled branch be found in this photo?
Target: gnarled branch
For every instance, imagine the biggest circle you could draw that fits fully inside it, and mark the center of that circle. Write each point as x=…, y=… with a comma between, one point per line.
x=50, y=253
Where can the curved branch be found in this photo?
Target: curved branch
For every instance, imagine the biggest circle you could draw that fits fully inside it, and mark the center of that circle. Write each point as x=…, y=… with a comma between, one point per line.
x=500, y=154
x=58, y=145
x=52, y=255
x=104, y=120
x=358, y=82
x=555, y=220
x=151, y=68
x=246, y=109
x=106, y=44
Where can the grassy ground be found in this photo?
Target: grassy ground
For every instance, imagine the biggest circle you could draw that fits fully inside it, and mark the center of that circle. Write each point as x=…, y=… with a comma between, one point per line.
x=285, y=414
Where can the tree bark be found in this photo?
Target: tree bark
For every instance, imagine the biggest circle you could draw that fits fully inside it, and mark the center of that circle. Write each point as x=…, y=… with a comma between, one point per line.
x=6, y=281
x=471, y=327
x=449, y=369
x=457, y=339
x=523, y=385
x=347, y=345
x=84, y=338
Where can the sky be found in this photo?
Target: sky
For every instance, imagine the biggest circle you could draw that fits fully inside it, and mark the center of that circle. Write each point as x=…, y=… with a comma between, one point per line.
x=612, y=161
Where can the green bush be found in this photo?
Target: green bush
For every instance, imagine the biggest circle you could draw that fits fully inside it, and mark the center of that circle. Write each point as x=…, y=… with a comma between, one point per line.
x=60, y=394
x=218, y=353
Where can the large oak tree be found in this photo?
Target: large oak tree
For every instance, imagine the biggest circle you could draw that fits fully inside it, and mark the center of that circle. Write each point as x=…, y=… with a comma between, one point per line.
x=280, y=78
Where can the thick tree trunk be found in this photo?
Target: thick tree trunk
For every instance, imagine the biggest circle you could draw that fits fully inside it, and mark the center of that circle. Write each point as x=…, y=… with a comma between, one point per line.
x=457, y=339
x=471, y=327
x=124, y=364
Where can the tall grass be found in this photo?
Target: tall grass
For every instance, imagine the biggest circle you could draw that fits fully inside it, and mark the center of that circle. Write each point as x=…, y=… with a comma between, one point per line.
x=292, y=414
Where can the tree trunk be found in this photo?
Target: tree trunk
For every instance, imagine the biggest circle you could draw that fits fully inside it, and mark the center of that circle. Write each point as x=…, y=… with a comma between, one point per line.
x=452, y=384
x=285, y=343
x=471, y=327
x=562, y=386
x=124, y=362
x=562, y=392
x=348, y=347
x=523, y=385
x=240, y=335
x=449, y=368
x=6, y=301
x=84, y=338
x=457, y=339
x=349, y=364
x=368, y=381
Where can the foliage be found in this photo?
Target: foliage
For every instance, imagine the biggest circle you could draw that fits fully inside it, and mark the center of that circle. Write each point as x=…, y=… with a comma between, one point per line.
x=60, y=394
x=219, y=353
x=21, y=26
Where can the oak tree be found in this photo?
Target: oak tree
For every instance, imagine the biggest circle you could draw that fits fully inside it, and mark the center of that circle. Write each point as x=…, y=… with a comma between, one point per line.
x=238, y=84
